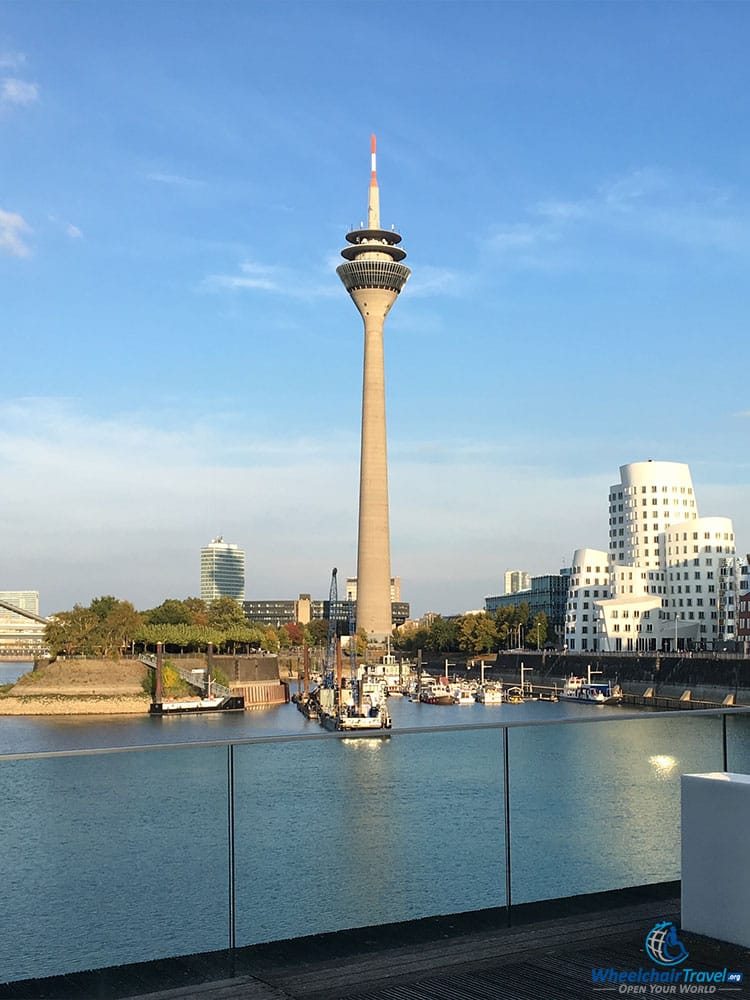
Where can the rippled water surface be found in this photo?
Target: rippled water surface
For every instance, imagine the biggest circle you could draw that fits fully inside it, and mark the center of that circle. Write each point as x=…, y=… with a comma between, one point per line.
x=124, y=857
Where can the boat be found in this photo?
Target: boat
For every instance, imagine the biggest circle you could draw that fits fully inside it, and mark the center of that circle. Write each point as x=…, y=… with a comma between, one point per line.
x=436, y=693
x=462, y=696
x=338, y=712
x=233, y=703
x=343, y=710
x=389, y=671
x=488, y=694
x=588, y=692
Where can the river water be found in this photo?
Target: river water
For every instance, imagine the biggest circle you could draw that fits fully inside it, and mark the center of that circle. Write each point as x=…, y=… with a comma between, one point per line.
x=125, y=857
x=32, y=734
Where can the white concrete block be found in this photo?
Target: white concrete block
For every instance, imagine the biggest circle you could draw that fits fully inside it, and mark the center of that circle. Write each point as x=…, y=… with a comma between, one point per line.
x=715, y=856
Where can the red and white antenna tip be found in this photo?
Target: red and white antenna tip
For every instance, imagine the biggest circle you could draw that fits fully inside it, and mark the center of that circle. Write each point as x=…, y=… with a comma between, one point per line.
x=372, y=143
x=373, y=168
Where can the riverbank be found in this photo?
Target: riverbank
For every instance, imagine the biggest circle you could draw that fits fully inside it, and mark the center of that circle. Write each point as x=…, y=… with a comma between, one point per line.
x=70, y=705
x=79, y=687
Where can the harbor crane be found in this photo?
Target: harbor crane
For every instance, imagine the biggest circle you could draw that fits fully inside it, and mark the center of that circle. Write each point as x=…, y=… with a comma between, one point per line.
x=332, y=636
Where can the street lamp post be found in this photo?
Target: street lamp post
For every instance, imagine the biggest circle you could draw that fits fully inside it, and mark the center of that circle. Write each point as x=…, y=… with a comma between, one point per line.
x=677, y=617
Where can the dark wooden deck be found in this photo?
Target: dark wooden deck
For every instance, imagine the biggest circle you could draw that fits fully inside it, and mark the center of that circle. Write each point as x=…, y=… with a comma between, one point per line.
x=547, y=956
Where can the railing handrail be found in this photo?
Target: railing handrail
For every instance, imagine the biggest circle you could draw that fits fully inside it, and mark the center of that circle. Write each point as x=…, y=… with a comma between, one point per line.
x=219, y=690
x=406, y=731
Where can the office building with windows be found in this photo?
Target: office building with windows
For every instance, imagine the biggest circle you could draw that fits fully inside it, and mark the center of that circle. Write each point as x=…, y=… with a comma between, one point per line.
x=351, y=588
x=515, y=580
x=547, y=594
x=222, y=571
x=21, y=625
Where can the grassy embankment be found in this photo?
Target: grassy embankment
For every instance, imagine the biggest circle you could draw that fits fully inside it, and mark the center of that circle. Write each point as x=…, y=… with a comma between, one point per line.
x=78, y=687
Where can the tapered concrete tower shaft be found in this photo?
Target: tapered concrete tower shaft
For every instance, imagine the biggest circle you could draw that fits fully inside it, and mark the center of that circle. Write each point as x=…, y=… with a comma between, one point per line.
x=373, y=275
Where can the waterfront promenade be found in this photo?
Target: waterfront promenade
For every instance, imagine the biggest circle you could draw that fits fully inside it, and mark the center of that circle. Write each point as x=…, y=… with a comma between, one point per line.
x=548, y=955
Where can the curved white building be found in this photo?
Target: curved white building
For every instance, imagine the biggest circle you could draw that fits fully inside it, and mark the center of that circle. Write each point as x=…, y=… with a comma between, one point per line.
x=668, y=569
x=589, y=583
x=649, y=498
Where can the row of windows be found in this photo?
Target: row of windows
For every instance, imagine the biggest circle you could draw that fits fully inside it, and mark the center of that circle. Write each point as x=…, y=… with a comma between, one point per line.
x=629, y=490
x=633, y=505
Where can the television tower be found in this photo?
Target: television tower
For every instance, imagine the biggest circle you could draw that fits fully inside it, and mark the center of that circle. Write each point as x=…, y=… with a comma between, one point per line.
x=373, y=275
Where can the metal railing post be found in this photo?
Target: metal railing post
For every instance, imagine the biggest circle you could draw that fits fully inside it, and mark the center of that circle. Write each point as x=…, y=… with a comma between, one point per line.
x=724, y=742
x=230, y=844
x=506, y=799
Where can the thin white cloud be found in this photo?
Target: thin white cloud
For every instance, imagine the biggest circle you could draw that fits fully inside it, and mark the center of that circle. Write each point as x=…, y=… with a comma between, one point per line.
x=13, y=229
x=71, y=231
x=120, y=523
x=428, y=280
x=520, y=236
x=649, y=205
x=178, y=180
x=252, y=276
x=14, y=91
x=256, y=277
x=11, y=60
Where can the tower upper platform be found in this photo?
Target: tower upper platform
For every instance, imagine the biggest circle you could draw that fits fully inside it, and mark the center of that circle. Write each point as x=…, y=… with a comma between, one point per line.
x=374, y=257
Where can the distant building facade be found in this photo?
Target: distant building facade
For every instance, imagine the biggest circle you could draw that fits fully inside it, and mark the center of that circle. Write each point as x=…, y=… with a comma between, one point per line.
x=281, y=612
x=21, y=625
x=351, y=589
x=743, y=617
x=304, y=610
x=222, y=571
x=516, y=580
x=321, y=609
x=26, y=600
x=547, y=594
x=672, y=578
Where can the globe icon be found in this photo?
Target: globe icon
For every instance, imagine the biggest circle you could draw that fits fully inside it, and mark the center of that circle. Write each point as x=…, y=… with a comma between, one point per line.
x=663, y=946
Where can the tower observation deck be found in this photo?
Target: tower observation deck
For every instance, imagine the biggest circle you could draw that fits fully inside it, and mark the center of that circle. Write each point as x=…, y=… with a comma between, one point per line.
x=374, y=276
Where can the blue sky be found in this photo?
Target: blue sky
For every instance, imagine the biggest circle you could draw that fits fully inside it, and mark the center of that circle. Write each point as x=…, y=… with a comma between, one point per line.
x=180, y=359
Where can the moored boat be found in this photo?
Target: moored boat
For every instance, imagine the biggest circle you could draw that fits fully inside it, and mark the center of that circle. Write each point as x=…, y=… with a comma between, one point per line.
x=462, y=696
x=489, y=694
x=233, y=703
x=587, y=692
x=436, y=694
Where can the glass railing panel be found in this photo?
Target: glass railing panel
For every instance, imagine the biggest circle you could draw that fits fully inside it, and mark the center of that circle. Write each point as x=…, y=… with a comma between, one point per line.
x=112, y=858
x=334, y=834
x=595, y=806
x=738, y=743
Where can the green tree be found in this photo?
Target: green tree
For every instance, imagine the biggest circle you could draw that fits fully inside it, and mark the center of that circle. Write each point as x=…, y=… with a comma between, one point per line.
x=410, y=638
x=118, y=629
x=270, y=640
x=477, y=633
x=361, y=643
x=170, y=612
x=101, y=606
x=443, y=635
x=197, y=609
x=71, y=632
x=225, y=613
x=103, y=629
x=537, y=633
x=317, y=632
